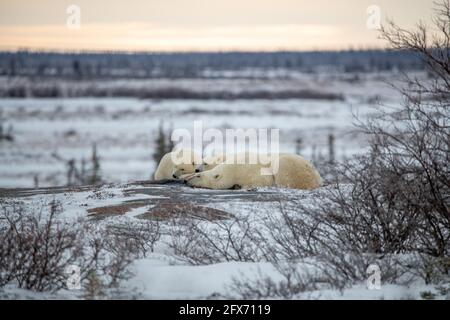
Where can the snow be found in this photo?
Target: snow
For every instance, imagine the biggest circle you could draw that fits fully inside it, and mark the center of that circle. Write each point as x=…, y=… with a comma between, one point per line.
x=162, y=281
x=158, y=279
x=125, y=129
x=76, y=204
x=162, y=275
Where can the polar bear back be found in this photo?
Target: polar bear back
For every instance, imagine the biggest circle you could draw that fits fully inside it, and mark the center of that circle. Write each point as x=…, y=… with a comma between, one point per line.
x=296, y=172
x=293, y=171
x=165, y=168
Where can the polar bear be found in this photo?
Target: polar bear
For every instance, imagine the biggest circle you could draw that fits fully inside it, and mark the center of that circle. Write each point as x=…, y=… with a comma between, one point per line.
x=293, y=172
x=296, y=172
x=210, y=162
x=177, y=163
x=227, y=176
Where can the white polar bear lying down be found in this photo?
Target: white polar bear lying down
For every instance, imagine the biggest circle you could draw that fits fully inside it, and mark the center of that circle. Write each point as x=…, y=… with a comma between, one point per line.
x=177, y=163
x=211, y=161
x=294, y=172
x=297, y=173
x=227, y=176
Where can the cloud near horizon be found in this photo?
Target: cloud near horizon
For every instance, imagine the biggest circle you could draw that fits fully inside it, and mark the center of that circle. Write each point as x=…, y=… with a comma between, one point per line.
x=142, y=37
x=198, y=25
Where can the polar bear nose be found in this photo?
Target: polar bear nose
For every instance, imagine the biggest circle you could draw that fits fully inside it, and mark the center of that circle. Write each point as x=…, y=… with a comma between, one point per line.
x=197, y=170
x=174, y=176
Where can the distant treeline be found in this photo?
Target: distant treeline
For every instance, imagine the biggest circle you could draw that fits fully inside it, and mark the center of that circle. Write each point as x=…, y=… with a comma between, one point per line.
x=195, y=65
x=59, y=90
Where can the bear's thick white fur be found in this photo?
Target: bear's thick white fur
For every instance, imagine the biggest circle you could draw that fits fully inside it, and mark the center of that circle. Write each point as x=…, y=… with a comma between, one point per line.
x=296, y=172
x=177, y=163
x=293, y=172
x=210, y=162
x=226, y=176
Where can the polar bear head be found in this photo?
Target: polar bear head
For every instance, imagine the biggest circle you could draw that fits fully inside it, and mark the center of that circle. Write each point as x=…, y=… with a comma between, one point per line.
x=184, y=162
x=210, y=162
x=217, y=178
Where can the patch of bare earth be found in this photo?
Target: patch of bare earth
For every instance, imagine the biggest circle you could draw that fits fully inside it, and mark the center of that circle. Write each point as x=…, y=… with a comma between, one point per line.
x=164, y=211
x=161, y=211
x=110, y=211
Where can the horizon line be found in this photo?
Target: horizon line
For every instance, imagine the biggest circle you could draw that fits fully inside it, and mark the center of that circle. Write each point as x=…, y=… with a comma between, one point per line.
x=190, y=51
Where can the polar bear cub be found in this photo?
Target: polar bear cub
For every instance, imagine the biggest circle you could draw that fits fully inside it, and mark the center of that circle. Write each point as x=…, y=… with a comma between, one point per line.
x=177, y=163
x=293, y=172
x=210, y=162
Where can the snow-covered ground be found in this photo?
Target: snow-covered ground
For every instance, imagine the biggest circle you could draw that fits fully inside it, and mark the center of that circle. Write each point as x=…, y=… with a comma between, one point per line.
x=125, y=129
x=159, y=280
x=163, y=274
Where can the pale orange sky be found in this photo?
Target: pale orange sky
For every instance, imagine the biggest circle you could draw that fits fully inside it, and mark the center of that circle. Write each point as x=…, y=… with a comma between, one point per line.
x=200, y=25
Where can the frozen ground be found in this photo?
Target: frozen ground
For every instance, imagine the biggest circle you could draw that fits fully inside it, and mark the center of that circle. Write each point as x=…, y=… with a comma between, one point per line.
x=163, y=274
x=125, y=129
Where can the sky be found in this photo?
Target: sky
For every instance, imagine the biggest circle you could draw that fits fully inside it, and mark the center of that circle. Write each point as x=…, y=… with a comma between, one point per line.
x=202, y=25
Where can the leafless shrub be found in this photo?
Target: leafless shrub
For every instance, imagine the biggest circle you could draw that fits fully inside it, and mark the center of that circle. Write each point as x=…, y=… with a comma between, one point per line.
x=336, y=243
x=37, y=249
x=411, y=145
x=206, y=242
x=141, y=235
x=426, y=267
x=94, y=287
x=163, y=144
x=111, y=258
x=431, y=44
x=105, y=264
x=340, y=270
x=371, y=219
x=287, y=234
x=5, y=134
x=86, y=173
x=291, y=283
x=390, y=206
